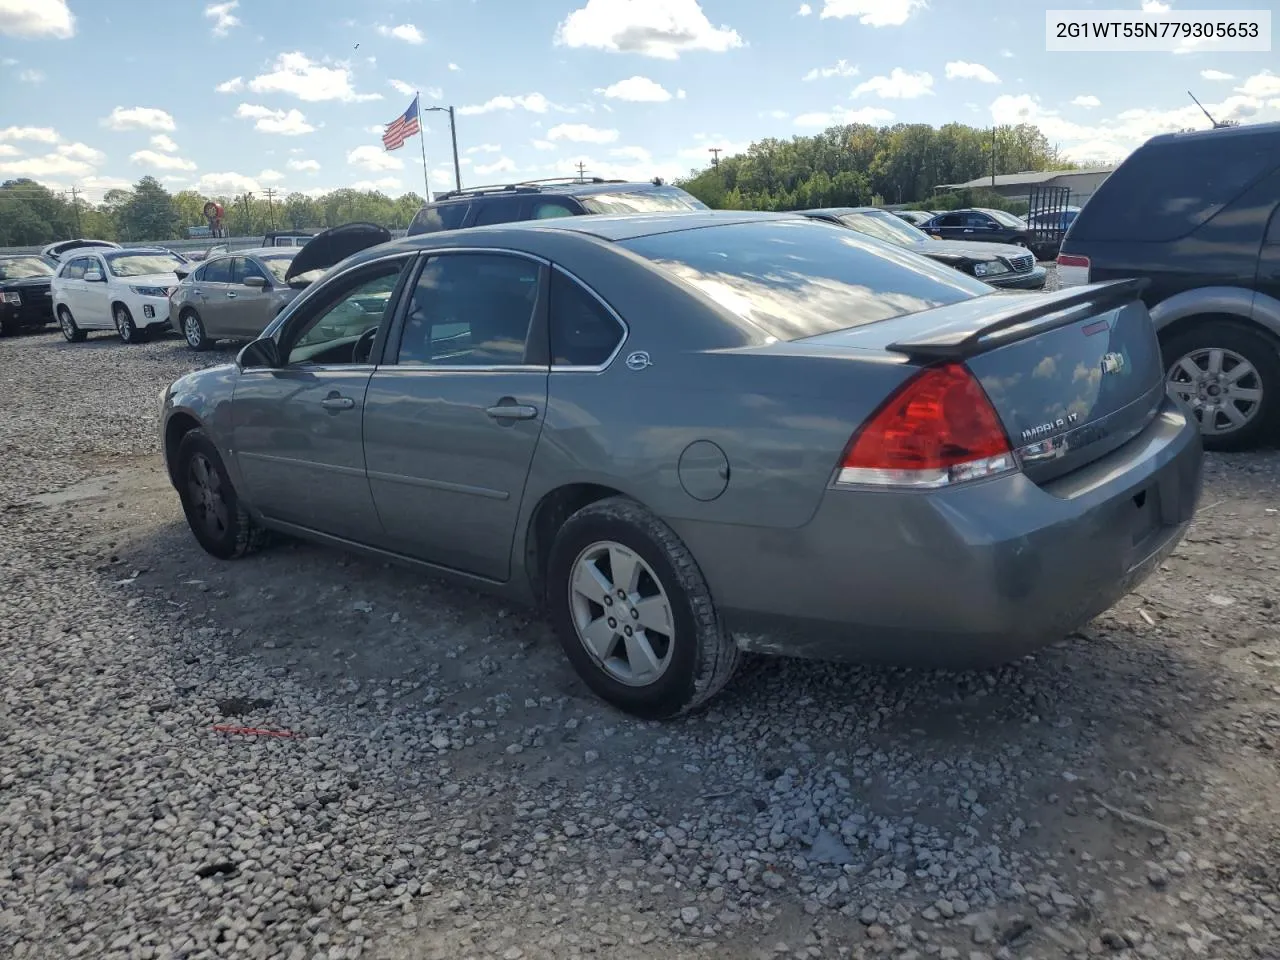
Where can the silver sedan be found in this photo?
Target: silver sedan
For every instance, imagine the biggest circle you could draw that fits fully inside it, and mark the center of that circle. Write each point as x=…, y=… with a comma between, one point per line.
x=232, y=296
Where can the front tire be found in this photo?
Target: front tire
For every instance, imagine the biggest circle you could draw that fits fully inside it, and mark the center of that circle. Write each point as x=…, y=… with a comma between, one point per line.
x=125, y=327
x=220, y=523
x=634, y=614
x=67, y=323
x=1229, y=374
x=193, y=331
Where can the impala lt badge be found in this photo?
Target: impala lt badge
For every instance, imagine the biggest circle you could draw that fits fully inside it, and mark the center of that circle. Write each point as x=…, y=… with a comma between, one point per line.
x=1112, y=362
x=1044, y=429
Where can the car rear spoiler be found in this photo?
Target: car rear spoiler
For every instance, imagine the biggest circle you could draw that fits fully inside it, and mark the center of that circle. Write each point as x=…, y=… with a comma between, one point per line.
x=1062, y=308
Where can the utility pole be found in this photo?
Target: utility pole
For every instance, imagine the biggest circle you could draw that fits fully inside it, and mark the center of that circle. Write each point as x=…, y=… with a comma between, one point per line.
x=993, y=157
x=75, y=206
x=248, y=212
x=271, y=214
x=582, y=170
x=715, y=155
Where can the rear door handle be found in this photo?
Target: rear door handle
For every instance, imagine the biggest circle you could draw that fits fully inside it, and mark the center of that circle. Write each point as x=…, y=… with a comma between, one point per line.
x=512, y=411
x=337, y=403
x=230, y=295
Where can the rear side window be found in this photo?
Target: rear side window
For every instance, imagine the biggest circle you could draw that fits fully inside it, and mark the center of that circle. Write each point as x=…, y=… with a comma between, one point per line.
x=1163, y=192
x=795, y=278
x=500, y=210
x=583, y=331
x=441, y=216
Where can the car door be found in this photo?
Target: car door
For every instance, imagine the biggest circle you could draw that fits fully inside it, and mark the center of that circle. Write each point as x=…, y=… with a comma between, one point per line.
x=298, y=428
x=979, y=226
x=95, y=296
x=211, y=299
x=248, y=307
x=453, y=417
x=68, y=282
x=949, y=226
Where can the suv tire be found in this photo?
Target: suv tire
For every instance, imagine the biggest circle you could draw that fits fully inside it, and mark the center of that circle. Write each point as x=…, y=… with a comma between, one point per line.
x=1241, y=345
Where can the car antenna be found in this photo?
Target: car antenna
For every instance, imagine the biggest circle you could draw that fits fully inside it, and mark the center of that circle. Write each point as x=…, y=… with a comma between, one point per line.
x=1216, y=124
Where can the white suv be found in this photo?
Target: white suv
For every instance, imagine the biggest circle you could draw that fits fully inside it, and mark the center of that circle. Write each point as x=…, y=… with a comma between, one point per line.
x=123, y=290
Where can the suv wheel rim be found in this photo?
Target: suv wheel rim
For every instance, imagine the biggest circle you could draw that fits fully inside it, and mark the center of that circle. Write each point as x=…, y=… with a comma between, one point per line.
x=64, y=320
x=1221, y=386
x=204, y=487
x=191, y=326
x=122, y=326
x=621, y=613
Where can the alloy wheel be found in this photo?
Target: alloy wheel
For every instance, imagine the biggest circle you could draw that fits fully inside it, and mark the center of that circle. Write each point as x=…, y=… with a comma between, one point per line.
x=64, y=321
x=122, y=326
x=204, y=488
x=191, y=329
x=1221, y=386
x=621, y=613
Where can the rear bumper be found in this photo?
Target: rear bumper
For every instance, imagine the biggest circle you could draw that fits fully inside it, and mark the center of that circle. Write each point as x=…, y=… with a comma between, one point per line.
x=976, y=575
x=1022, y=281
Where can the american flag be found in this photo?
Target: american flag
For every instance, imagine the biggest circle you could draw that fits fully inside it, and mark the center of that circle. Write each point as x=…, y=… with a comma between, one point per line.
x=401, y=128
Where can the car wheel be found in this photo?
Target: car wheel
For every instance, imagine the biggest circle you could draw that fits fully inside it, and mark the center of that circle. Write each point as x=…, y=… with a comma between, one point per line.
x=193, y=330
x=67, y=323
x=128, y=330
x=217, y=519
x=1229, y=374
x=633, y=612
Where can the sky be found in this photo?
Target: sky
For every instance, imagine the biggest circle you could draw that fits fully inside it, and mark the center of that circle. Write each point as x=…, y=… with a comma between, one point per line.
x=292, y=95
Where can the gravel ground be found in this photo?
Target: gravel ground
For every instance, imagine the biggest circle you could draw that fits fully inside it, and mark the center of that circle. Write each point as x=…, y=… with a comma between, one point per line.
x=454, y=792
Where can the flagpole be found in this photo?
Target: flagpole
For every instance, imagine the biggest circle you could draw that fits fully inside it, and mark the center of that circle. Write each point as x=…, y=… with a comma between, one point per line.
x=422, y=142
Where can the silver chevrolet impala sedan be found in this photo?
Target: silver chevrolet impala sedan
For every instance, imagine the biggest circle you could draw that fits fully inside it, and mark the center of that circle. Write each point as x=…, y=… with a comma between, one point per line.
x=693, y=435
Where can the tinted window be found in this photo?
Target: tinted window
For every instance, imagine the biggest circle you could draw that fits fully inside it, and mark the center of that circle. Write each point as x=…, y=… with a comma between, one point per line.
x=950, y=220
x=792, y=278
x=23, y=268
x=470, y=309
x=500, y=210
x=217, y=271
x=244, y=267
x=583, y=332
x=75, y=269
x=652, y=200
x=361, y=308
x=1166, y=190
x=1004, y=218
x=549, y=209
x=444, y=216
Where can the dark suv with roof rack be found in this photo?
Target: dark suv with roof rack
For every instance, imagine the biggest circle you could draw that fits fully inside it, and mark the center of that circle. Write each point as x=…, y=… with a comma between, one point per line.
x=544, y=199
x=1198, y=216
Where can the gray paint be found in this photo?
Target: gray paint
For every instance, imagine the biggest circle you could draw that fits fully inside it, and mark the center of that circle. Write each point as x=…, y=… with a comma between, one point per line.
x=1234, y=301
x=419, y=471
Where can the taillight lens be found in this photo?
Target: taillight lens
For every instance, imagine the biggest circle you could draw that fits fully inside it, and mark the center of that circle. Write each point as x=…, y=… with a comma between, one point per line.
x=1070, y=260
x=938, y=429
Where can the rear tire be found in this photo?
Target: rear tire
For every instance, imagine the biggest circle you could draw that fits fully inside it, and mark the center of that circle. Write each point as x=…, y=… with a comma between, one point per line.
x=1247, y=380
x=682, y=654
x=220, y=523
x=67, y=323
x=193, y=330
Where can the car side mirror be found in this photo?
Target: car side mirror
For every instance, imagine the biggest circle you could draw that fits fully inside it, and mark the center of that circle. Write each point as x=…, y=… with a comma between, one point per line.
x=94, y=276
x=263, y=354
x=258, y=283
x=182, y=274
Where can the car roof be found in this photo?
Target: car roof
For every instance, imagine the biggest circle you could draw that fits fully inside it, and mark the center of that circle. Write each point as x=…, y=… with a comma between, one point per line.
x=256, y=252
x=1245, y=130
x=571, y=189
x=838, y=211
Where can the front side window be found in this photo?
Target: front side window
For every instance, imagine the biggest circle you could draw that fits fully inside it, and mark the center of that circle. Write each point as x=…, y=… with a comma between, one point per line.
x=74, y=270
x=583, y=331
x=245, y=268
x=142, y=264
x=351, y=317
x=217, y=271
x=1005, y=219
x=24, y=268
x=470, y=310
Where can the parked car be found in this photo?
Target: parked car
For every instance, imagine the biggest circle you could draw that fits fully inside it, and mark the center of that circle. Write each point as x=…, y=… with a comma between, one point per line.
x=235, y=296
x=288, y=238
x=24, y=293
x=915, y=217
x=980, y=224
x=547, y=199
x=999, y=264
x=1197, y=216
x=692, y=435
x=1054, y=219
x=57, y=252
x=121, y=289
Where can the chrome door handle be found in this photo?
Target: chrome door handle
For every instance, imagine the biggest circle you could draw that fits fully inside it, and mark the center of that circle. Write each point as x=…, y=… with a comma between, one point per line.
x=512, y=411
x=230, y=295
x=337, y=403
x=195, y=291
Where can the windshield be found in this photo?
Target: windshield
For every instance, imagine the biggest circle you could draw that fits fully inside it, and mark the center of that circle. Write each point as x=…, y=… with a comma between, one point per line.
x=142, y=264
x=884, y=226
x=1005, y=219
x=24, y=268
x=277, y=264
x=790, y=279
x=655, y=200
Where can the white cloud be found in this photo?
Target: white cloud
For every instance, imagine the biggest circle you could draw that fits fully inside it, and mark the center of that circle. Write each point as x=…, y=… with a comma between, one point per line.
x=1006, y=53
x=234, y=85
x=842, y=68
x=381, y=184
x=804, y=10
x=581, y=133
x=373, y=159
x=485, y=148
x=288, y=123
x=226, y=184
x=1154, y=6
x=297, y=75
x=1216, y=75
x=636, y=154
x=1087, y=101
x=163, y=142
x=501, y=165
x=310, y=166
x=454, y=67
x=399, y=86
x=961, y=70
x=8, y=150
x=533, y=102
x=680, y=94
x=139, y=118
x=654, y=28
x=406, y=32
x=271, y=176
x=37, y=134
x=160, y=161
x=30, y=76
x=222, y=17
x=899, y=85
x=1261, y=86
x=543, y=145
x=49, y=165
x=36, y=18
x=636, y=89
x=873, y=13
x=82, y=152
x=875, y=116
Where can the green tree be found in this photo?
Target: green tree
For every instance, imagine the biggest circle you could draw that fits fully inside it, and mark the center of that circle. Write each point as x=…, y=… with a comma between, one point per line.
x=149, y=213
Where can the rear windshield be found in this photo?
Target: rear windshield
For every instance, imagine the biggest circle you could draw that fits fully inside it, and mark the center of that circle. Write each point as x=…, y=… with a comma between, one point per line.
x=1166, y=190
x=796, y=278
x=24, y=268
x=654, y=200
x=443, y=216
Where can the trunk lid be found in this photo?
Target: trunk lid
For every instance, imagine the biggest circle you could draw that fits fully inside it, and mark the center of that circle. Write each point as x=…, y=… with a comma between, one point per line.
x=1072, y=374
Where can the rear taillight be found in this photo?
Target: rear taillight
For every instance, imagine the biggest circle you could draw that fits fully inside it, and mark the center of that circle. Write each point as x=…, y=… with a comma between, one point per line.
x=1070, y=260
x=939, y=428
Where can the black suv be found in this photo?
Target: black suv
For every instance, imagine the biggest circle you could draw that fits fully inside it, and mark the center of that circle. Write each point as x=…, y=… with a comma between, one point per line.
x=542, y=199
x=1197, y=215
